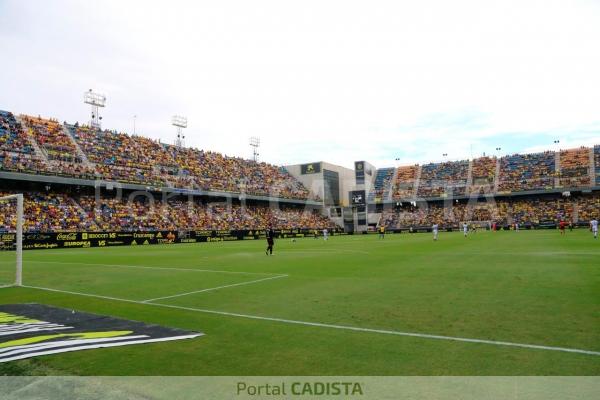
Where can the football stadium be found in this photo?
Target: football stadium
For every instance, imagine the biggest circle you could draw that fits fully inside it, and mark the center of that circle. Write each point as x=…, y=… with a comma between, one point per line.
x=126, y=254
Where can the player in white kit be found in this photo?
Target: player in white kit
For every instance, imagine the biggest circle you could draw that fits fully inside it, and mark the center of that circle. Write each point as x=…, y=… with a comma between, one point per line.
x=434, y=228
x=465, y=228
x=325, y=234
x=594, y=226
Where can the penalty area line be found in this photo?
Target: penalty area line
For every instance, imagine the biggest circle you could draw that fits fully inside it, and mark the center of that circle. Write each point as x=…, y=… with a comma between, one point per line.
x=7, y=286
x=156, y=268
x=215, y=288
x=332, y=326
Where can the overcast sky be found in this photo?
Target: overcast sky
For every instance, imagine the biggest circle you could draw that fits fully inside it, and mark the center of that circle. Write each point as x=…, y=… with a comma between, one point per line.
x=337, y=81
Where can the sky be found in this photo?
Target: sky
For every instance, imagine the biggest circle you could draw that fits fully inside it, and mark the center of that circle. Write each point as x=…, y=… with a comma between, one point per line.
x=338, y=81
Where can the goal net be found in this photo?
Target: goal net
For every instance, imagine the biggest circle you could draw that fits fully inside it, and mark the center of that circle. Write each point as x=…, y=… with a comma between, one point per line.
x=11, y=240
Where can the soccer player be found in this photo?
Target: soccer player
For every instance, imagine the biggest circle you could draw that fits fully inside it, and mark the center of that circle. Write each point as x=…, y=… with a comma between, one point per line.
x=465, y=228
x=517, y=227
x=382, y=232
x=434, y=228
x=325, y=234
x=270, y=240
x=594, y=227
x=561, y=226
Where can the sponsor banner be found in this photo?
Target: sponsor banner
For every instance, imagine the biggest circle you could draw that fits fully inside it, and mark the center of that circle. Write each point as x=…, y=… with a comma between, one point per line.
x=34, y=241
x=7, y=241
x=312, y=168
x=31, y=330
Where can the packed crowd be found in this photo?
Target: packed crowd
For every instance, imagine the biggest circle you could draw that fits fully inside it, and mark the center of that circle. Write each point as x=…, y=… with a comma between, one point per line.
x=522, y=172
x=484, y=171
x=502, y=212
x=78, y=151
x=12, y=136
x=120, y=157
x=49, y=134
x=575, y=167
x=438, y=180
x=518, y=172
x=597, y=163
x=135, y=159
x=48, y=212
x=404, y=185
x=59, y=212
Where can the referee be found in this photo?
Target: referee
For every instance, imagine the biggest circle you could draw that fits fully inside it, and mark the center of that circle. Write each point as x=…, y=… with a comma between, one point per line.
x=270, y=240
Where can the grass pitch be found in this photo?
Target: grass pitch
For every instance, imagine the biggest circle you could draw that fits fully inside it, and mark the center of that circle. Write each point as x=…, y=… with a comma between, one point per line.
x=528, y=287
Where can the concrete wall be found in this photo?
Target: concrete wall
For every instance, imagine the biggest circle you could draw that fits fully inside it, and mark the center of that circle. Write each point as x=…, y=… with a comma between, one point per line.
x=314, y=182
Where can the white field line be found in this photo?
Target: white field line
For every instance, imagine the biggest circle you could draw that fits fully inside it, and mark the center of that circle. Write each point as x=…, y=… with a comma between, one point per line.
x=330, y=326
x=322, y=251
x=216, y=288
x=156, y=268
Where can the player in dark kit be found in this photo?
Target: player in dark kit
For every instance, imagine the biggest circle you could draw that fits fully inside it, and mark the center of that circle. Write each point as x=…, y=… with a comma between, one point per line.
x=270, y=240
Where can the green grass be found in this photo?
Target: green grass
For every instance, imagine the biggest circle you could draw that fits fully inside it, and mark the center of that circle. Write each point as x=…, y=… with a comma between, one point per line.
x=527, y=287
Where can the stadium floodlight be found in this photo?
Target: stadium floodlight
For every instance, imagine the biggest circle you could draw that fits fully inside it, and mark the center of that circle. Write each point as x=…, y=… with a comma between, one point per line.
x=180, y=123
x=255, y=143
x=95, y=100
x=6, y=202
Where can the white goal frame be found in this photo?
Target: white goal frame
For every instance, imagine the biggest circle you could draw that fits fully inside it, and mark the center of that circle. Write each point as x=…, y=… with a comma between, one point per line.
x=19, y=237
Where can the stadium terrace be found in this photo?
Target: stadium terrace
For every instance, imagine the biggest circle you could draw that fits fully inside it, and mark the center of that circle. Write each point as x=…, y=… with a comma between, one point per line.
x=69, y=173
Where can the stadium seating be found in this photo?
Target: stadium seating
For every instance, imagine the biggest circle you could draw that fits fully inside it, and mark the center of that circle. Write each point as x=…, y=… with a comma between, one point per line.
x=49, y=135
x=134, y=159
x=484, y=171
x=404, y=184
x=575, y=168
x=21, y=162
x=46, y=212
x=46, y=147
x=522, y=210
x=597, y=163
x=381, y=186
x=523, y=172
x=59, y=212
x=12, y=136
x=439, y=179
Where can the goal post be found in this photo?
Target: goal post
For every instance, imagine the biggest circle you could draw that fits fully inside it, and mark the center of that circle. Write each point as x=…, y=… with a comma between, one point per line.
x=11, y=216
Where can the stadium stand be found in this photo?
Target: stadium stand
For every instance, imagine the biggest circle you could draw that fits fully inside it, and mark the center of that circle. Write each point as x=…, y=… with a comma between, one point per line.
x=38, y=146
x=404, y=185
x=381, y=186
x=123, y=158
x=523, y=172
x=60, y=212
x=483, y=173
x=439, y=179
x=524, y=210
x=597, y=163
x=12, y=136
x=49, y=134
x=575, y=167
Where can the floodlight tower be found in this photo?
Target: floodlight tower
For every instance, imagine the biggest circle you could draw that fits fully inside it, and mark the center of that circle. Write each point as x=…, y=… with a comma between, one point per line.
x=255, y=143
x=95, y=100
x=180, y=123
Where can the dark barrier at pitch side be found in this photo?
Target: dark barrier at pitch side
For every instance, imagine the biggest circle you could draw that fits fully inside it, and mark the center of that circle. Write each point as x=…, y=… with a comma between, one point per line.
x=55, y=240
